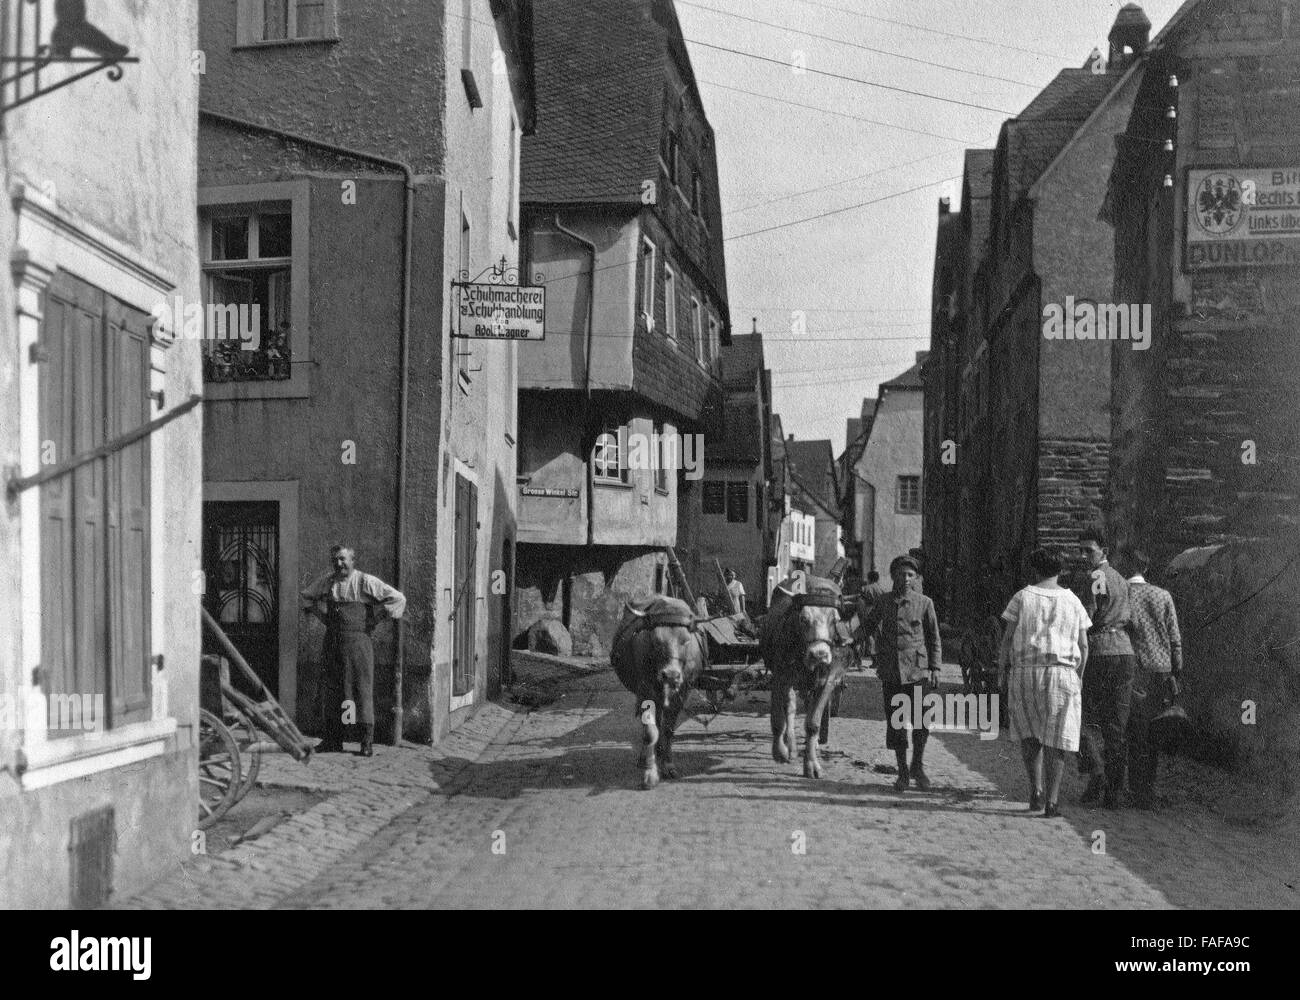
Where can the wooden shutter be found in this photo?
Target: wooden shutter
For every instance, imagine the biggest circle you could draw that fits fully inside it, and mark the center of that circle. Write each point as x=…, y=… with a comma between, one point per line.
x=127, y=542
x=58, y=618
x=95, y=588
x=465, y=576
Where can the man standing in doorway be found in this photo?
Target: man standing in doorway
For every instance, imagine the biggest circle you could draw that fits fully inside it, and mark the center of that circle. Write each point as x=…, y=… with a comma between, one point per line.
x=348, y=602
x=1108, y=677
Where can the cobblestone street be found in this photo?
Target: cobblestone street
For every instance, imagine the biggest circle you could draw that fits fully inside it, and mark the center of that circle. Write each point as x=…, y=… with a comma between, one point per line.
x=555, y=789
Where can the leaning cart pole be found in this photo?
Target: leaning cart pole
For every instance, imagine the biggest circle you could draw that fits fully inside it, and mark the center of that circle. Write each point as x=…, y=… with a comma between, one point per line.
x=679, y=575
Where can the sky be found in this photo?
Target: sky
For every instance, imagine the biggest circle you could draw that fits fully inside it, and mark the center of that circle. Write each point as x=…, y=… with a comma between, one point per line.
x=795, y=145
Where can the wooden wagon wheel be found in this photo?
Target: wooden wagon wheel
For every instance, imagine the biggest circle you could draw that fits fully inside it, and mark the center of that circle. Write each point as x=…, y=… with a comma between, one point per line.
x=218, y=769
x=247, y=736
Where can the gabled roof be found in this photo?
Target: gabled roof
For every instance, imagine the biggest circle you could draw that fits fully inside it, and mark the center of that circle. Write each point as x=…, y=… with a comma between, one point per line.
x=742, y=360
x=910, y=379
x=812, y=463
x=600, y=92
x=979, y=173
x=1072, y=96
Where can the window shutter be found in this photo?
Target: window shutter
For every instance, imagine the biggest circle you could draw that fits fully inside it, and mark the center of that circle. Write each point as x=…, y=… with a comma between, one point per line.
x=58, y=336
x=127, y=344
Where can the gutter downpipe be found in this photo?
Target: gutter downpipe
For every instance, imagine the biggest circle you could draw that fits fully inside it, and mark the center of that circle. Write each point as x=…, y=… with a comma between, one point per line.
x=586, y=376
x=408, y=239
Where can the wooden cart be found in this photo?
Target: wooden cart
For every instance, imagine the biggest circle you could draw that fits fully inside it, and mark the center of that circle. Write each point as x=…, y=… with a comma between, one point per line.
x=234, y=727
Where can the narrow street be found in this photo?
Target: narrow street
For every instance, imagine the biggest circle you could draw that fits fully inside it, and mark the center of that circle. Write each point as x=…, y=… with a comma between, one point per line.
x=555, y=789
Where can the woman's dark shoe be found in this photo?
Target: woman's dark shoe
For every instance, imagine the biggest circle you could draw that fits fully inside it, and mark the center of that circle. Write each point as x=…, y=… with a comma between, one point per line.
x=1052, y=811
x=919, y=777
x=367, y=740
x=901, y=784
x=1035, y=802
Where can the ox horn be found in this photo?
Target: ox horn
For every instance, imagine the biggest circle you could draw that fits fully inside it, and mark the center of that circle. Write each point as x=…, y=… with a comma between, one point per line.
x=629, y=608
x=780, y=589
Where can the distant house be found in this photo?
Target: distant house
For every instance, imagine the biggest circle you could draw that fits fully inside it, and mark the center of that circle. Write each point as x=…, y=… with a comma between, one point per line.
x=852, y=489
x=889, y=468
x=735, y=523
x=814, y=493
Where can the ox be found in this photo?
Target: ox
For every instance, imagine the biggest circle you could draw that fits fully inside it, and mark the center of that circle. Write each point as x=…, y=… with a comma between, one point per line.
x=658, y=654
x=798, y=643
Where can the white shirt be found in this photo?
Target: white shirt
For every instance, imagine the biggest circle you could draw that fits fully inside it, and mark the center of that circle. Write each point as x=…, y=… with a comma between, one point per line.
x=356, y=587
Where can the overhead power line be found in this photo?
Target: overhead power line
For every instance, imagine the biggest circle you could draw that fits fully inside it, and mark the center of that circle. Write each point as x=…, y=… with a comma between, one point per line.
x=835, y=184
x=838, y=211
x=842, y=114
x=932, y=31
x=858, y=45
x=855, y=79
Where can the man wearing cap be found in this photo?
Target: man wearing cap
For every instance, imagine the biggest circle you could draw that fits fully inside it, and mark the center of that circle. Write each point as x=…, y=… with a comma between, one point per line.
x=908, y=659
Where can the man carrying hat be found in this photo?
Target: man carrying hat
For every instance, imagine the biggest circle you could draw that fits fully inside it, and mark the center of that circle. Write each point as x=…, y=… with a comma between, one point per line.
x=908, y=658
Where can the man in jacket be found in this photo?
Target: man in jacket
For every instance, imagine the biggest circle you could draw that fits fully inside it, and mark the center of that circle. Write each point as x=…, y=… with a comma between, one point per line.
x=1158, y=645
x=908, y=660
x=1108, y=677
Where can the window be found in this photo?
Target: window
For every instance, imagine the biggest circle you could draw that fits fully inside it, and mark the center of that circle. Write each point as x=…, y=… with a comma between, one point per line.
x=697, y=329
x=758, y=505
x=648, y=276
x=697, y=194
x=737, y=502
x=715, y=343
x=714, y=497
x=286, y=21
x=663, y=459
x=909, y=495
x=608, y=459
x=670, y=303
x=248, y=278
x=673, y=154
x=95, y=521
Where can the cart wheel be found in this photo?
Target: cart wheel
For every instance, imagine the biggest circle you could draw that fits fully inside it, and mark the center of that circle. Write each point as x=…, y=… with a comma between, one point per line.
x=218, y=769
x=250, y=759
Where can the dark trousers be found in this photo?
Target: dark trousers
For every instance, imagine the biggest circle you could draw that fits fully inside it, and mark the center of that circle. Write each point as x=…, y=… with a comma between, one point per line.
x=1107, y=700
x=896, y=736
x=348, y=675
x=1143, y=755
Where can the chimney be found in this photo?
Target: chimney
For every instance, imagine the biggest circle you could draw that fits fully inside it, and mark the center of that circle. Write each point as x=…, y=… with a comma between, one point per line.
x=1129, y=36
x=945, y=206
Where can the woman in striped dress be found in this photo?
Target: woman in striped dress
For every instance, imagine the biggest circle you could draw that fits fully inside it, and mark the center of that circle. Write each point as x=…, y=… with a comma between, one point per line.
x=1044, y=650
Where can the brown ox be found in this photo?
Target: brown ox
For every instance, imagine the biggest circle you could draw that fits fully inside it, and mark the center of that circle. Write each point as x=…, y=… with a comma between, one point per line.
x=798, y=644
x=658, y=654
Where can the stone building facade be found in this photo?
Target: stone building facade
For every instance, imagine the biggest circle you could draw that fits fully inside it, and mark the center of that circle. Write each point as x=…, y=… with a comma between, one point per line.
x=1018, y=450
x=352, y=168
x=99, y=639
x=622, y=404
